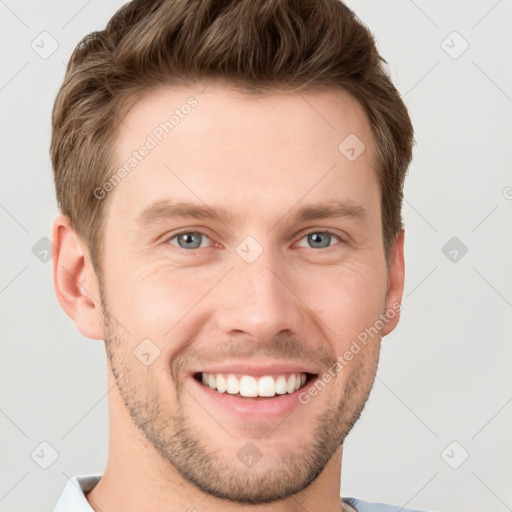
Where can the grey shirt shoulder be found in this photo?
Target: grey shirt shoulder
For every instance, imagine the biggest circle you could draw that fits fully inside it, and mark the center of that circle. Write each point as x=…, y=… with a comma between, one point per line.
x=366, y=506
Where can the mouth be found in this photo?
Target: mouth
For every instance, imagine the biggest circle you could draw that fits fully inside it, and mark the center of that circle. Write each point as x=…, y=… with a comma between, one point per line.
x=258, y=395
x=255, y=387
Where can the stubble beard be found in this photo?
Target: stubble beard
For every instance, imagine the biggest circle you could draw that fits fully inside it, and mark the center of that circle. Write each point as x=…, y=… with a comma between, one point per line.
x=182, y=445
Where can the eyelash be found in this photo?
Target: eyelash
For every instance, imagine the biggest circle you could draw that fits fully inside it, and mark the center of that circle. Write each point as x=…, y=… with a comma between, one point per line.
x=303, y=235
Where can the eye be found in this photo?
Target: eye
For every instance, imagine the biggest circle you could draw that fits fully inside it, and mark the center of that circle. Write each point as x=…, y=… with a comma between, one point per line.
x=320, y=239
x=189, y=240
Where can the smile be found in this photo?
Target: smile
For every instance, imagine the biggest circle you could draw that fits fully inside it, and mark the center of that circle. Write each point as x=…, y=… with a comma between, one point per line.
x=255, y=390
x=254, y=386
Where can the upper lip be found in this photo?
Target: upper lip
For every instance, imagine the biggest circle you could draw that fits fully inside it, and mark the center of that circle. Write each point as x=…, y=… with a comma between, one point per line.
x=255, y=369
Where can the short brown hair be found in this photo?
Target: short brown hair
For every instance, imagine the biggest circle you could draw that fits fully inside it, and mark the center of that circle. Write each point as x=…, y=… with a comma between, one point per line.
x=257, y=46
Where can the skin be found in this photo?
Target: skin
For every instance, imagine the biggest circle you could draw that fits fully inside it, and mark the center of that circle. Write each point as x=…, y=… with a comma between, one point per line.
x=261, y=158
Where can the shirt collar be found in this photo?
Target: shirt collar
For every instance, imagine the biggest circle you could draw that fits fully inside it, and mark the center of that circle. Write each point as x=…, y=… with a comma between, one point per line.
x=73, y=497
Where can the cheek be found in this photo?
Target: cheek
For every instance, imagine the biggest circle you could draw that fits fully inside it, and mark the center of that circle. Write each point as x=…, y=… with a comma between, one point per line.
x=346, y=300
x=154, y=304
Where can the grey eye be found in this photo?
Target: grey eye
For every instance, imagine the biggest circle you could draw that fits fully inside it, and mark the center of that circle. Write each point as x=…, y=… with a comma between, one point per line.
x=189, y=239
x=319, y=239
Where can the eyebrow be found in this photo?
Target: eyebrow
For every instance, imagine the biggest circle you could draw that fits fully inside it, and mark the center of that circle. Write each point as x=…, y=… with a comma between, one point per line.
x=166, y=209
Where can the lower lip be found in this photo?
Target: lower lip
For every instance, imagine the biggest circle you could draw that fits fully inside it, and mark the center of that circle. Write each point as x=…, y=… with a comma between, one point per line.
x=253, y=408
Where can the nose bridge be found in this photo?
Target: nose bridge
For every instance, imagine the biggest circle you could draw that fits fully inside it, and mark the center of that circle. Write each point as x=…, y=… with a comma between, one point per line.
x=257, y=299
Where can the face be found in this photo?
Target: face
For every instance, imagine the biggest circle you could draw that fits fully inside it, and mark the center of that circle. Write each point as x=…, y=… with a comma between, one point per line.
x=243, y=257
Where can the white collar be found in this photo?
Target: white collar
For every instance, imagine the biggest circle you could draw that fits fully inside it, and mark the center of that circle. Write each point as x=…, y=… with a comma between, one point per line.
x=73, y=497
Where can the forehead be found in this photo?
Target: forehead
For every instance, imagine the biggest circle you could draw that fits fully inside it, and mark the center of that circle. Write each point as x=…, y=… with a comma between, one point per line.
x=213, y=112
x=244, y=151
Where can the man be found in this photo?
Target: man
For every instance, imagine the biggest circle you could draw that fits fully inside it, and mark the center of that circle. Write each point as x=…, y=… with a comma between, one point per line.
x=230, y=179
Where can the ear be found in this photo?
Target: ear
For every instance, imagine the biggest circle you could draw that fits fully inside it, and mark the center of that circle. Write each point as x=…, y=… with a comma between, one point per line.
x=396, y=276
x=75, y=281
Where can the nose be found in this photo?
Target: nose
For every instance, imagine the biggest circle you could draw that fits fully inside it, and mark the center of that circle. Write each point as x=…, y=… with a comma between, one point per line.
x=258, y=299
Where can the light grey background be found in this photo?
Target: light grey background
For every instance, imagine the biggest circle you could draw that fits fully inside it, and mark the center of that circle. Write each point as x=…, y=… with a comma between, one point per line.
x=445, y=372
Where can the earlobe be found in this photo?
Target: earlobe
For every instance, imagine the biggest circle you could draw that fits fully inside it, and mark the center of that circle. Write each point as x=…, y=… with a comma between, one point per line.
x=74, y=279
x=396, y=277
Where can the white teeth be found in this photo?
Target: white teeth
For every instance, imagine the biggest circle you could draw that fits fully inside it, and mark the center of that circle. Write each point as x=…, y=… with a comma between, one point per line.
x=221, y=383
x=290, y=385
x=250, y=386
x=266, y=386
x=233, y=385
x=281, y=385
